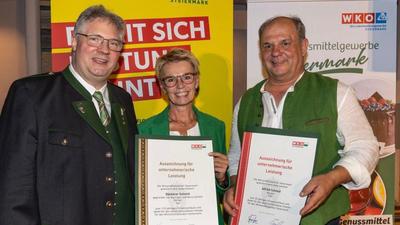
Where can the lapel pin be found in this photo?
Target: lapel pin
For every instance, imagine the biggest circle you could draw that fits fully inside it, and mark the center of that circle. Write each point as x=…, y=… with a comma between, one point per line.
x=64, y=141
x=81, y=109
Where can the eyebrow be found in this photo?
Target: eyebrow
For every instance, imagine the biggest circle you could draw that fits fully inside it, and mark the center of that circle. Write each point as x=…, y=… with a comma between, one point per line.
x=180, y=74
x=117, y=39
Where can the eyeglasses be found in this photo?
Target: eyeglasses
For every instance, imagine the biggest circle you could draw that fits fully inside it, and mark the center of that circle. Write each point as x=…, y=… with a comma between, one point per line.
x=96, y=40
x=171, y=81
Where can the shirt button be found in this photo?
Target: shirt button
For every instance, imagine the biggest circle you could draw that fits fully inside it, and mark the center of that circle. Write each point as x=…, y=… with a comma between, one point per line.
x=108, y=155
x=109, y=179
x=109, y=204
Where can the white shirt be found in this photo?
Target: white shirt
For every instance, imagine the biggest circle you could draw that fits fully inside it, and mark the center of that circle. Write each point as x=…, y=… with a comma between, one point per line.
x=194, y=131
x=91, y=90
x=360, y=153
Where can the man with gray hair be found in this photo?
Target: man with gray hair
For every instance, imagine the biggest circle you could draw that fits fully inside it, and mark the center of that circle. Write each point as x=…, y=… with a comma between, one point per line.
x=67, y=139
x=294, y=99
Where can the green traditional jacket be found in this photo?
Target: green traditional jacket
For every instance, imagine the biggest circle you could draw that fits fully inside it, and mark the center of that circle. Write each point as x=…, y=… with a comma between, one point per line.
x=116, y=134
x=311, y=107
x=209, y=127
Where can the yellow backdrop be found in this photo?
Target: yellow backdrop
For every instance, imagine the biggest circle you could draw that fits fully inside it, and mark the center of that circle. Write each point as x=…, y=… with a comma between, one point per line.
x=154, y=26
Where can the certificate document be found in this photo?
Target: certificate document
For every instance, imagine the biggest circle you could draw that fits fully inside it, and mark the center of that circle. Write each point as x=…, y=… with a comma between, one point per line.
x=175, y=181
x=274, y=166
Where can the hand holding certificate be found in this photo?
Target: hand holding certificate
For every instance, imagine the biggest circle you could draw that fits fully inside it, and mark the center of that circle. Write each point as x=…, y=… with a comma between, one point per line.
x=175, y=181
x=274, y=167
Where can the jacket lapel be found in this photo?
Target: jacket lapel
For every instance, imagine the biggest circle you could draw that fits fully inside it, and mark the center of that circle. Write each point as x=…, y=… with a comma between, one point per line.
x=203, y=126
x=162, y=123
x=119, y=114
x=85, y=108
x=87, y=111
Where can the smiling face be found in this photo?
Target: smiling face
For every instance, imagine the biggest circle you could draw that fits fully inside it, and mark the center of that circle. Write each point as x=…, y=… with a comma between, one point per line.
x=283, y=52
x=181, y=94
x=95, y=64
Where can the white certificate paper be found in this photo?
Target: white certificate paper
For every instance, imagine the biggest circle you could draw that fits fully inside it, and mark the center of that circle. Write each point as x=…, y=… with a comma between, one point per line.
x=274, y=167
x=175, y=182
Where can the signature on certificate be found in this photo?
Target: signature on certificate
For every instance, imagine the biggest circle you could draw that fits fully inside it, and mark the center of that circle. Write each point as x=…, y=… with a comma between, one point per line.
x=252, y=219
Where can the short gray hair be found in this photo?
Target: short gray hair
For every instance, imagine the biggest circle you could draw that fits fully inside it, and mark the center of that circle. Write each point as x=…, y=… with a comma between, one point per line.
x=99, y=11
x=301, y=29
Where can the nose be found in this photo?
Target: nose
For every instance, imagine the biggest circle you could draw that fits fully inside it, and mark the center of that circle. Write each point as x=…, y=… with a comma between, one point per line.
x=276, y=50
x=179, y=82
x=104, y=47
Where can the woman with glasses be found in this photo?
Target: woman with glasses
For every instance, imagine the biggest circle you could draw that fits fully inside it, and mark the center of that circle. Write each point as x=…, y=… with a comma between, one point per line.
x=178, y=74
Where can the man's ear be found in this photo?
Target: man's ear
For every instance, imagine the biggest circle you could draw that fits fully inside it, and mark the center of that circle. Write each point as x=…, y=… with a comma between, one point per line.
x=304, y=46
x=74, y=43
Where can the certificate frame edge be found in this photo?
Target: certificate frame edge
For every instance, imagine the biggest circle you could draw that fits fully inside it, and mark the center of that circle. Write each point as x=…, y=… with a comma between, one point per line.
x=285, y=132
x=137, y=172
x=167, y=137
x=266, y=130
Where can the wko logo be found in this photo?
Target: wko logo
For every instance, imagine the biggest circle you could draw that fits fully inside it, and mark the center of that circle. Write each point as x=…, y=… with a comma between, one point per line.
x=364, y=18
x=299, y=144
x=197, y=146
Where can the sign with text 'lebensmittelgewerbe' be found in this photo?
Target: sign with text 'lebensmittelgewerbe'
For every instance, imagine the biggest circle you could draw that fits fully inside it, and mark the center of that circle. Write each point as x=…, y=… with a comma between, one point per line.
x=355, y=42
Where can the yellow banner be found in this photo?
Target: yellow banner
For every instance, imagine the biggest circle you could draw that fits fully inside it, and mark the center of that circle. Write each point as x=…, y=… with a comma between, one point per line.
x=154, y=26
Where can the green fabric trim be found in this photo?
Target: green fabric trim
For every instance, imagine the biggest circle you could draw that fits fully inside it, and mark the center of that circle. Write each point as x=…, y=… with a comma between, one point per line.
x=85, y=108
x=124, y=208
x=76, y=85
x=117, y=138
x=118, y=113
x=250, y=104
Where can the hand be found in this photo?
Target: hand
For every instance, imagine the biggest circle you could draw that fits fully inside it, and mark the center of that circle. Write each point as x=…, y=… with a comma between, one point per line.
x=229, y=202
x=220, y=166
x=320, y=187
x=317, y=190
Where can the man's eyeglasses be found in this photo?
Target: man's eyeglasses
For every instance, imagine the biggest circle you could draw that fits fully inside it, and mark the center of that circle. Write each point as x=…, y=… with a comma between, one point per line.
x=96, y=40
x=171, y=81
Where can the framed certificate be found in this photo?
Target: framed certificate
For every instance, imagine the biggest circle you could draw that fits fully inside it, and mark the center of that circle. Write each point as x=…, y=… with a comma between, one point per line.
x=274, y=166
x=175, y=181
